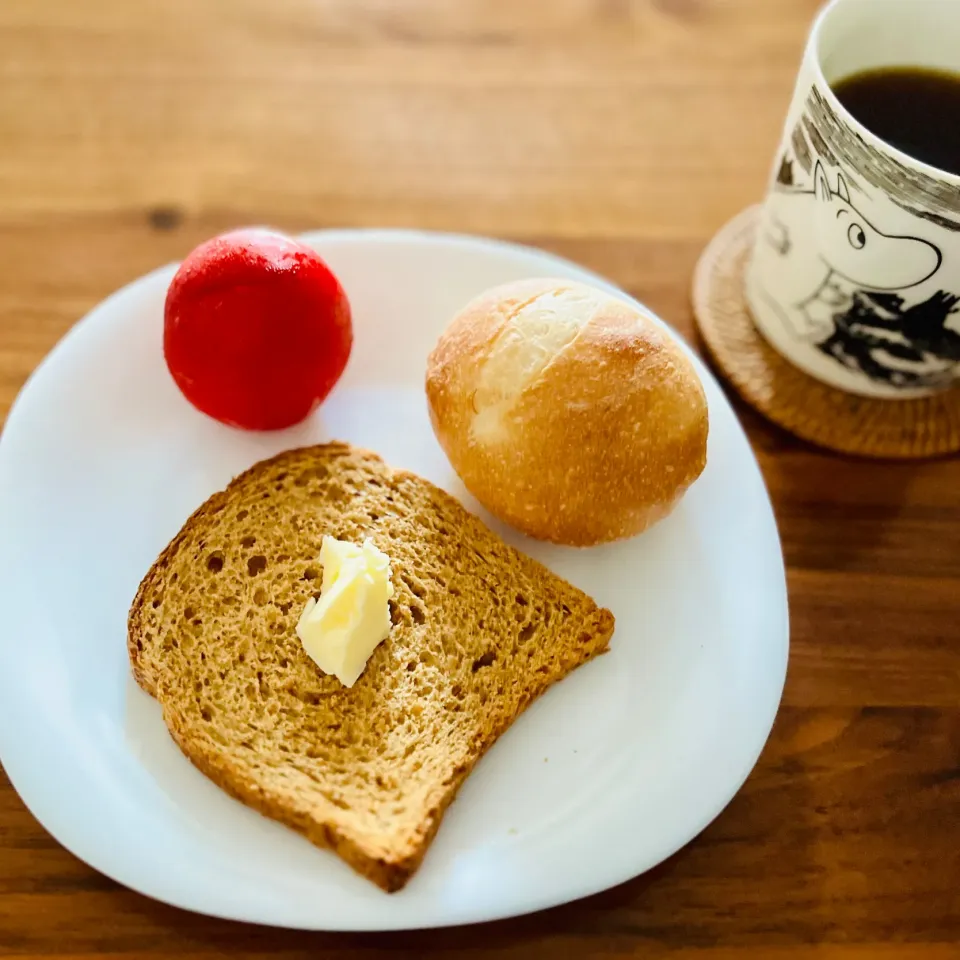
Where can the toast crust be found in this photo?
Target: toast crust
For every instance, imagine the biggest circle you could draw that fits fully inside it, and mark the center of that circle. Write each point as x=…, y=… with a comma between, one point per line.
x=388, y=865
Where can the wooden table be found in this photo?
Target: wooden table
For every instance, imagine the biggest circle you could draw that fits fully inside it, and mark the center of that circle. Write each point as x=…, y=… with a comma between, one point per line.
x=621, y=134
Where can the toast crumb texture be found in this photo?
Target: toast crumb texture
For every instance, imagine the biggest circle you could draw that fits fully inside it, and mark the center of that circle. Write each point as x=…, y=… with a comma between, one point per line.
x=479, y=632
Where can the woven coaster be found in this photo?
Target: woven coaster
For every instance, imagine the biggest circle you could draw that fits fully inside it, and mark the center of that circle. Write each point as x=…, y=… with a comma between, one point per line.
x=906, y=429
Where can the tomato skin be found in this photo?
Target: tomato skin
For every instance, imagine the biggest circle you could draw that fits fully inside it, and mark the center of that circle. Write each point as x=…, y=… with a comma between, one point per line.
x=256, y=329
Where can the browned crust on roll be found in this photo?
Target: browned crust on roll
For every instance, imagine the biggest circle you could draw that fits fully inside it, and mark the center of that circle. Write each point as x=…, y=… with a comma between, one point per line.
x=601, y=444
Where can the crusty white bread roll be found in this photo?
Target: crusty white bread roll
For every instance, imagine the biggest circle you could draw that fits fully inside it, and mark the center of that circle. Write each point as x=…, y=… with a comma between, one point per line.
x=568, y=413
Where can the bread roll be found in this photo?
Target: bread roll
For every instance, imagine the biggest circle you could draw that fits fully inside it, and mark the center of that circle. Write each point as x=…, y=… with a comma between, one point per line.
x=568, y=413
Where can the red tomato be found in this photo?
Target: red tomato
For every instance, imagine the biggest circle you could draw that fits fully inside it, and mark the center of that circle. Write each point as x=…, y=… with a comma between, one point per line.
x=256, y=329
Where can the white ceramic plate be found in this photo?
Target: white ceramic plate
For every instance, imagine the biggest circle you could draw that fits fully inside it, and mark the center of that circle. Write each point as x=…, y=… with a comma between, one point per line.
x=612, y=771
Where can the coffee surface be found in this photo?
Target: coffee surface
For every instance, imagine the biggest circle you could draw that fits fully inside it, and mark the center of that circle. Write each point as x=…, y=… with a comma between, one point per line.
x=915, y=109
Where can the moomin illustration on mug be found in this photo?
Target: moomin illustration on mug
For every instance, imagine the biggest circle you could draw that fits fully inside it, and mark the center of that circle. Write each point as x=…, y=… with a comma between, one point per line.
x=854, y=275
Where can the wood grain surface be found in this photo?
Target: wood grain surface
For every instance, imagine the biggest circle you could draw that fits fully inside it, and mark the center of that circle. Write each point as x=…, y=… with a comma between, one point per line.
x=621, y=134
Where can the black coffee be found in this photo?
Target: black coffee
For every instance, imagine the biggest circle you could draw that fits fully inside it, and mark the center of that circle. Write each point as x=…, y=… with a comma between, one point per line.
x=914, y=109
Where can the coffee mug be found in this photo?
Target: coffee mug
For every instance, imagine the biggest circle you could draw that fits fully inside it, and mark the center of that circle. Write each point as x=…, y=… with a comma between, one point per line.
x=855, y=272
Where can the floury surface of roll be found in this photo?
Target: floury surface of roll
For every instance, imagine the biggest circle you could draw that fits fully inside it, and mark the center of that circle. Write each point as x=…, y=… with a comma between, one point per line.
x=568, y=413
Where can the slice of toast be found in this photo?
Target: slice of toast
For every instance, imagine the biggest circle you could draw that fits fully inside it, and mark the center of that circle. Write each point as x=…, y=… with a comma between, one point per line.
x=479, y=632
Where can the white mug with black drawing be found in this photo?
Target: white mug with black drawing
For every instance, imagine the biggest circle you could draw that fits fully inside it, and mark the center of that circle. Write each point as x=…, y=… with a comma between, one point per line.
x=855, y=272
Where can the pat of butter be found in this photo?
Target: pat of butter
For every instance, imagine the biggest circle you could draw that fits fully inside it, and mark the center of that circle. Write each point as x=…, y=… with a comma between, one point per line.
x=341, y=629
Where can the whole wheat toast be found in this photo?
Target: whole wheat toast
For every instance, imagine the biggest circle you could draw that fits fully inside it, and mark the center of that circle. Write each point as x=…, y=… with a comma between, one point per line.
x=478, y=632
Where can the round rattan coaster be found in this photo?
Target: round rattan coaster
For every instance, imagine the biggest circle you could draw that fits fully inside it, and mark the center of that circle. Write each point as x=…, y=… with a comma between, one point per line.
x=924, y=427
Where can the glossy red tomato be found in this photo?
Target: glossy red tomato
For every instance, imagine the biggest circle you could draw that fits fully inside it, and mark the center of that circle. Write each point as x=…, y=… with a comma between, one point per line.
x=256, y=329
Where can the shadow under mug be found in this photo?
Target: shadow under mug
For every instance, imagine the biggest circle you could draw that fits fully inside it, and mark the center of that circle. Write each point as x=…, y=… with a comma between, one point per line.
x=855, y=272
